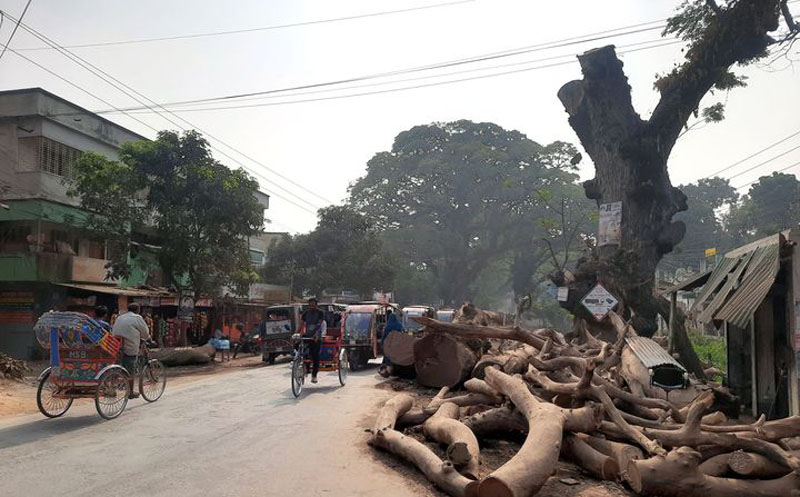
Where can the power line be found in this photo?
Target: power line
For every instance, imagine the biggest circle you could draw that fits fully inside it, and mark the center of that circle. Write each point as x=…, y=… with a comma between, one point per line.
x=16, y=27
x=790, y=166
x=796, y=133
x=124, y=112
x=763, y=163
x=392, y=90
x=251, y=30
x=117, y=84
x=600, y=35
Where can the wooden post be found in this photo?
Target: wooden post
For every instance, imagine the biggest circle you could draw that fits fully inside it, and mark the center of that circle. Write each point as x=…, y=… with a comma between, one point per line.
x=673, y=308
x=753, y=370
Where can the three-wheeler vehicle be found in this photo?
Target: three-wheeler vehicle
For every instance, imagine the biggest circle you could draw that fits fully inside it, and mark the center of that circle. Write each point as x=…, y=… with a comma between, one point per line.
x=281, y=322
x=332, y=357
x=363, y=325
x=84, y=363
x=416, y=311
x=445, y=315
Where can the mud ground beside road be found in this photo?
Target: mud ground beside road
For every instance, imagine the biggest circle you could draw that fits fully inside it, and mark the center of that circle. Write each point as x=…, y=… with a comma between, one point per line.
x=494, y=453
x=19, y=396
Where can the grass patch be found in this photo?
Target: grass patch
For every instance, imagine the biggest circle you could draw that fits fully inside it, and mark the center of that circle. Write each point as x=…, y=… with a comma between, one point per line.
x=710, y=348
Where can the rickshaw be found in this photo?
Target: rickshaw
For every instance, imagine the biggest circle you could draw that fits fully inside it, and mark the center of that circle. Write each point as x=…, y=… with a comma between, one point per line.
x=416, y=311
x=84, y=364
x=363, y=326
x=332, y=357
x=281, y=322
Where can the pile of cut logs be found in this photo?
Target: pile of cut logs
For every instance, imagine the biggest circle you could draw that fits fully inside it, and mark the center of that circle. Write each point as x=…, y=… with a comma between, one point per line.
x=12, y=368
x=588, y=401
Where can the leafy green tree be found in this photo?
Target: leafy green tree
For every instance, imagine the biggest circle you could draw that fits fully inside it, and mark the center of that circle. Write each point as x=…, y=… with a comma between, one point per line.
x=460, y=195
x=772, y=204
x=199, y=211
x=704, y=222
x=343, y=251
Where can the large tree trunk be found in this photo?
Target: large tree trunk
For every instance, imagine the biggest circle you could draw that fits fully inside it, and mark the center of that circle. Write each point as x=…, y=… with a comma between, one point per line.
x=442, y=360
x=630, y=155
x=184, y=356
x=399, y=348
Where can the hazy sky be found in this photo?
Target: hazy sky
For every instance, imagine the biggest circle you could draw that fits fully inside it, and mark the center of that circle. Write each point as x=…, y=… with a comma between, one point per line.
x=324, y=145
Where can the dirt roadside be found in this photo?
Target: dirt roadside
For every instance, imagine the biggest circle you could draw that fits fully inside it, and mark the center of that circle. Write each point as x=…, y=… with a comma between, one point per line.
x=19, y=396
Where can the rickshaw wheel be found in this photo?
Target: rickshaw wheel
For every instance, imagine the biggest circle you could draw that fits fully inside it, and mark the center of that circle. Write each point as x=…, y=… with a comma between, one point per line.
x=344, y=366
x=112, y=394
x=152, y=380
x=297, y=376
x=50, y=406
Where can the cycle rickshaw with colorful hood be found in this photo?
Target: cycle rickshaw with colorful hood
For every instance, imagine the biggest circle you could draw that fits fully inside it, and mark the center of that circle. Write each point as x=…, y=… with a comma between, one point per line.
x=84, y=364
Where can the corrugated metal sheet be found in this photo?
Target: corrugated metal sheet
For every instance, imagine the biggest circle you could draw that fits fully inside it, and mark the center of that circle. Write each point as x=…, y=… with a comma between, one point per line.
x=651, y=354
x=689, y=283
x=757, y=281
x=731, y=283
x=714, y=281
x=740, y=283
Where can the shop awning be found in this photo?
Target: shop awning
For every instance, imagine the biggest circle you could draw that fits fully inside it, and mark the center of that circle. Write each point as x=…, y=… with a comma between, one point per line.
x=740, y=283
x=113, y=290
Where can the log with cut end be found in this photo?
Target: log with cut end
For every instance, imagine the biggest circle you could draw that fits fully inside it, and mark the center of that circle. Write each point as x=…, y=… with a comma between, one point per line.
x=442, y=360
x=512, y=362
x=756, y=466
x=462, y=446
x=184, y=356
x=622, y=453
x=440, y=473
x=715, y=466
x=677, y=475
x=525, y=473
x=596, y=463
x=399, y=348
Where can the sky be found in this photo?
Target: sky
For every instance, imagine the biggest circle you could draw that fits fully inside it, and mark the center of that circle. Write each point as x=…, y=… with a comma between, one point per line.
x=323, y=146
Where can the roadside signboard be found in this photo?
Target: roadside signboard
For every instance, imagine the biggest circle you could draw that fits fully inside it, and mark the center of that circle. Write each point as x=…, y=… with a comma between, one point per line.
x=599, y=302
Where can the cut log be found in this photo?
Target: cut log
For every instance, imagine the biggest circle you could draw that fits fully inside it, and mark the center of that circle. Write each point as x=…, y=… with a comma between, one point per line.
x=756, y=466
x=512, y=362
x=462, y=446
x=391, y=410
x=475, y=385
x=399, y=348
x=442, y=474
x=184, y=356
x=597, y=464
x=497, y=420
x=442, y=360
x=677, y=475
x=622, y=453
x=525, y=473
x=715, y=466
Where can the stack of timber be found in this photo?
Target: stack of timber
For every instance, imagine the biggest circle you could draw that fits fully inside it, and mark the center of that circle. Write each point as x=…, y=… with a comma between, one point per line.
x=12, y=368
x=583, y=401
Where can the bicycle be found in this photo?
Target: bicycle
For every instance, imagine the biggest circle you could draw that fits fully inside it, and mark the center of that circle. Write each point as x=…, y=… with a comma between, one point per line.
x=151, y=372
x=332, y=358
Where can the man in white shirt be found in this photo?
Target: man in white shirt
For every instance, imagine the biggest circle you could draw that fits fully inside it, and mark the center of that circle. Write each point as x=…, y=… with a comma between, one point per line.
x=131, y=327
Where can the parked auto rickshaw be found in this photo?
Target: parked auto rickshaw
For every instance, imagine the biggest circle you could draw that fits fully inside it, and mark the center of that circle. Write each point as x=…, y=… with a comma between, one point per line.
x=283, y=321
x=363, y=326
x=416, y=311
x=445, y=315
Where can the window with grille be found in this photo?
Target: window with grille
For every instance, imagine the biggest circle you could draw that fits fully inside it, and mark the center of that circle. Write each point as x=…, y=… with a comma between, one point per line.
x=55, y=157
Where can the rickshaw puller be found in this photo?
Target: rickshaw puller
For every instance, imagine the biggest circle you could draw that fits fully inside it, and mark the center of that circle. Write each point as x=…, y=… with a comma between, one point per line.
x=313, y=319
x=131, y=328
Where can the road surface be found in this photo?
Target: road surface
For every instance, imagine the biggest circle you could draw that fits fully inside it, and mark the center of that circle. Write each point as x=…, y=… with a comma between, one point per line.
x=239, y=434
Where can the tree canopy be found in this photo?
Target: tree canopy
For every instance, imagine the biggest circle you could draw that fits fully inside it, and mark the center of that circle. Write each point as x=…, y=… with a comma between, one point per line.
x=452, y=197
x=199, y=212
x=343, y=252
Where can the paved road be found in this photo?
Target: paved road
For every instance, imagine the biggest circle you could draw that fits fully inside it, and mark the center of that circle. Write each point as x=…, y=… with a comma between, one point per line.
x=238, y=434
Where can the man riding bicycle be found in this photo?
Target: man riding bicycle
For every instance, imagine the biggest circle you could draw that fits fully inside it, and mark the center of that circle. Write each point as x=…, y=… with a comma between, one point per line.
x=313, y=322
x=131, y=327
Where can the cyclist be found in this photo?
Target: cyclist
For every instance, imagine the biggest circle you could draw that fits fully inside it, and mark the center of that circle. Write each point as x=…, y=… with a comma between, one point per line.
x=131, y=327
x=312, y=323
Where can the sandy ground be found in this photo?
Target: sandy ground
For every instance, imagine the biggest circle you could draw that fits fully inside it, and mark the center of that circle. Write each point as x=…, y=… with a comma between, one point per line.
x=19, y=396
x=236, y=434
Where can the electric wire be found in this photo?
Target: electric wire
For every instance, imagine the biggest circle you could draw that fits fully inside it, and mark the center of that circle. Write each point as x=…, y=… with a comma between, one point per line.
x=16, y=27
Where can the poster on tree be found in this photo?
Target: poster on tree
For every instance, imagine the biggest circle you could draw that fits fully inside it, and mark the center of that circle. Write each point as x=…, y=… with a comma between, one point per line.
x=610, y=230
